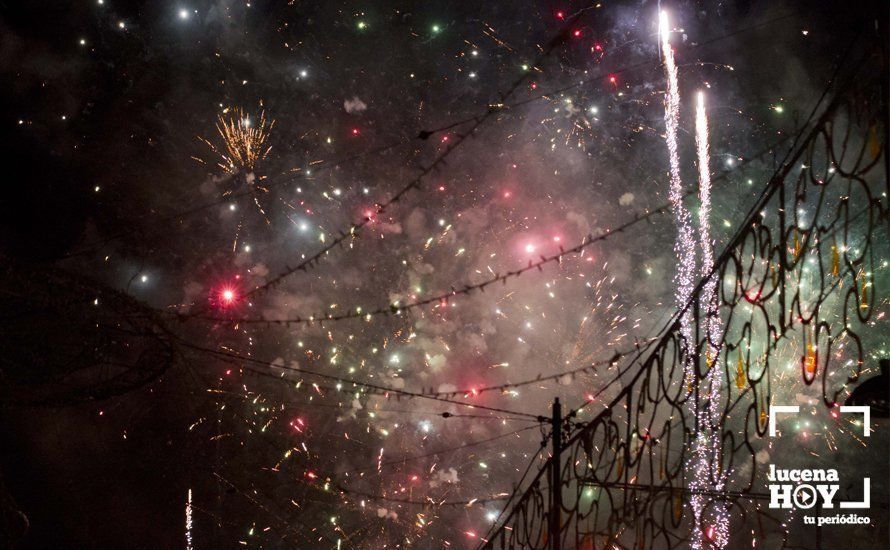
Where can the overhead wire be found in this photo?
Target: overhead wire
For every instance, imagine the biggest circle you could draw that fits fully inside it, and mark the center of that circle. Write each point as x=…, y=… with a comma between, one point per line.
x=425, y=134
x=376, y=387
x=444, y=298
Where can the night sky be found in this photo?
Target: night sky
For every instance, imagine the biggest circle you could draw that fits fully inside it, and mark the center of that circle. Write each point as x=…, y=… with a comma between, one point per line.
x=116, y=172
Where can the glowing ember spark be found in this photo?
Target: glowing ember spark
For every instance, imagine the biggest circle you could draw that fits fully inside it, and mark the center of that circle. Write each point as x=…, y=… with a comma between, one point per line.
x=224, y=297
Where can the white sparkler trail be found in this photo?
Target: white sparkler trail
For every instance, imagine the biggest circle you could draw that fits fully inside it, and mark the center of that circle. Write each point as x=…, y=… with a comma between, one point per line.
x=708, y=445
x=709, y=298
x=188, y=522
x=684, y=247
x=704, y=193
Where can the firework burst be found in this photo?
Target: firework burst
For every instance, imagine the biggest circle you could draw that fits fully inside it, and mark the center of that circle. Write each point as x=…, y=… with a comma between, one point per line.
x=244, y=141
x=244, y=147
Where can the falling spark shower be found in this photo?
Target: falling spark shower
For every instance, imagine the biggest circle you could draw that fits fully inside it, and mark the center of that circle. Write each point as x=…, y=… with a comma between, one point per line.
x=708, y=443
x=684, y=246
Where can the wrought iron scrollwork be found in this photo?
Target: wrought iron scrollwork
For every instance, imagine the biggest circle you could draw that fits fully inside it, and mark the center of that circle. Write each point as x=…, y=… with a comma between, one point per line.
x=795, y=287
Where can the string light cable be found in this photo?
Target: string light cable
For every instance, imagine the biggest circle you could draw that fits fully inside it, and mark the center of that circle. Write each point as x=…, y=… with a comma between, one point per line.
x=357, y=312
x=376, y=387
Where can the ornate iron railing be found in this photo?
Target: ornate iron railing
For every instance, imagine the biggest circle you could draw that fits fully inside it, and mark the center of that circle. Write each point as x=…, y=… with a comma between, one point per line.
x=795, y=286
